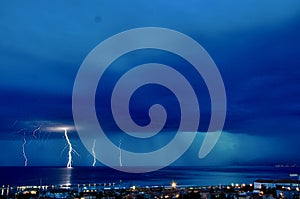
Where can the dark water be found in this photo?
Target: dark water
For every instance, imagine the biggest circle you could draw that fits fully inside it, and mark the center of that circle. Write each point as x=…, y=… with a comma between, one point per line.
x=182, y=175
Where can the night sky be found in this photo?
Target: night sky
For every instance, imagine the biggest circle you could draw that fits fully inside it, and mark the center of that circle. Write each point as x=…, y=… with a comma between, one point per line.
x=255, y=45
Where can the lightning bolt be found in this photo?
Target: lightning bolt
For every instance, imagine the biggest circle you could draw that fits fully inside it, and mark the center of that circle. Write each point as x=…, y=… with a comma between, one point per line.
x=120, y=153
x=23, y=150
x=35, y=131
x=93, y=152
x=69, y=164
x=68, y=144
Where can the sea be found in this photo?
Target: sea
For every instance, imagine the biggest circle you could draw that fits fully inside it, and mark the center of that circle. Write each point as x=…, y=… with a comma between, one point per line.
x=183, y=176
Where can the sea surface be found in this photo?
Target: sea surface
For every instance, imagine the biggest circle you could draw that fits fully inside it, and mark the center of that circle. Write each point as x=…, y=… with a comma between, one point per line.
x=184, y=176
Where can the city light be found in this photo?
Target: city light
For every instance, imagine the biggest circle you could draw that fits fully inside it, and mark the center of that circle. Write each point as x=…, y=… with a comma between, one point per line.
x=174, y=185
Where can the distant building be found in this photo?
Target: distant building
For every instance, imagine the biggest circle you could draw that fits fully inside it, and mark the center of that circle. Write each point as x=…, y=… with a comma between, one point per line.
x=284, y=183
x=57, y=193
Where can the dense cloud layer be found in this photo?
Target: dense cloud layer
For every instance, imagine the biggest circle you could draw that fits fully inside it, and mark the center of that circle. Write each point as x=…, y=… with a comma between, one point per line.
x=256, y=47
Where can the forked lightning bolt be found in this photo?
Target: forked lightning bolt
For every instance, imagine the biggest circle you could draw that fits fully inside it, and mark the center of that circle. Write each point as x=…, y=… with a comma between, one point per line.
x=69, y=164
x=69, y=144
x=94, y=154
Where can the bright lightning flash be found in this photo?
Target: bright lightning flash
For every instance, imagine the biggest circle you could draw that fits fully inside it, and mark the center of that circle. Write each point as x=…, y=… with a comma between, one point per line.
x=65, y=129
x=93, y=152
x=69, y=164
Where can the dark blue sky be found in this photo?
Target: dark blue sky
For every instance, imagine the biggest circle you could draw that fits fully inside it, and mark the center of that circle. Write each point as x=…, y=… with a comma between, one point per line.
x=256, y=46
